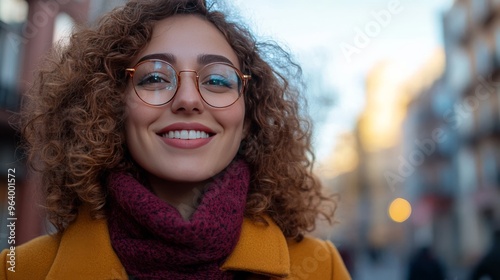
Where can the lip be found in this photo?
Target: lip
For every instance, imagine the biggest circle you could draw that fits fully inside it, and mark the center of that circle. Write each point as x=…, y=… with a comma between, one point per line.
x=185, y=143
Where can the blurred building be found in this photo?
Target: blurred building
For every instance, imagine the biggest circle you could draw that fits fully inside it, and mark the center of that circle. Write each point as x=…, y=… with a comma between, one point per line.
x=433, y=139
x=28, y=30
x=454, y=127
x=363, y=169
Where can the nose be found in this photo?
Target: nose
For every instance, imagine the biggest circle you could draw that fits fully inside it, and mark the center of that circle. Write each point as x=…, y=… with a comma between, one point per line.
x=187, y=98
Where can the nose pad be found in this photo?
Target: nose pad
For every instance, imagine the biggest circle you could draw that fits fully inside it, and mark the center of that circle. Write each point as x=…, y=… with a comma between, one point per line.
x=187, y=97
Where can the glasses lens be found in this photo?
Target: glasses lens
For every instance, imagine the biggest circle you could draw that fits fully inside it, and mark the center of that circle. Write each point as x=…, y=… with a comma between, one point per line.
x=220, y=85
x=155, y=82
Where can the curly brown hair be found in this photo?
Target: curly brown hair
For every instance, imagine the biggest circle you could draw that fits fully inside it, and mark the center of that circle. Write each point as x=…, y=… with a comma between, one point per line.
x=73, y=118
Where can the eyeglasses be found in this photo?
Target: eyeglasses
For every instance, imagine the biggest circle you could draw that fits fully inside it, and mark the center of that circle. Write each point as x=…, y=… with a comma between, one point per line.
x=156, y=82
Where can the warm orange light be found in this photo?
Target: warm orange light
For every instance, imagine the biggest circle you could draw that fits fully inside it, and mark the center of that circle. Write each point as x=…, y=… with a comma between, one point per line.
x=399, y=210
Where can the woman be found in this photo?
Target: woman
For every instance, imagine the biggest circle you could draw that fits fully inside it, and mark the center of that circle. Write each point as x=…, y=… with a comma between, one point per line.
x=170, y=149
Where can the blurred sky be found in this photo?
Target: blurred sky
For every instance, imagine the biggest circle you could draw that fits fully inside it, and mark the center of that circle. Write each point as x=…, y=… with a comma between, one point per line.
x=316, y=30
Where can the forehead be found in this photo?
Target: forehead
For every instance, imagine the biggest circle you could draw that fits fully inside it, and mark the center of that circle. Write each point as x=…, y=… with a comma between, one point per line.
x=186, y=37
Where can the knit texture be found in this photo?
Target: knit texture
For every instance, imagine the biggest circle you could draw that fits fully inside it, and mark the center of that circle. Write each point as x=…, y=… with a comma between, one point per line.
x=152, y=239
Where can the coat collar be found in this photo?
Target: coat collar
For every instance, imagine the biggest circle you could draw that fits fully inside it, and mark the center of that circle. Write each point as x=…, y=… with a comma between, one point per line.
x=261, y=249
x=85, y=250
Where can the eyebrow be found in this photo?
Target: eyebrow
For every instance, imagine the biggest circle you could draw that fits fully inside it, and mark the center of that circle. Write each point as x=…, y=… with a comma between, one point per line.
x=202, y=59
x=168, y=57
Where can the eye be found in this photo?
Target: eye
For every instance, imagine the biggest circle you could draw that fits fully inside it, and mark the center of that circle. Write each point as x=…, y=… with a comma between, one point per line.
x=153, y=78
x=154, y=81
x=217, y=81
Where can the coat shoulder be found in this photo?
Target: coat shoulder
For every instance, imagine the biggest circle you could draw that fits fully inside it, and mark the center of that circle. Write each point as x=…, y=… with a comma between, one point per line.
x=313, y=258
x=29, y=259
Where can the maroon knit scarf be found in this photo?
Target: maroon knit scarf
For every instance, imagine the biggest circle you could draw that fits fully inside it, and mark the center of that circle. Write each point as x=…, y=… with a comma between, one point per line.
x=154, y=242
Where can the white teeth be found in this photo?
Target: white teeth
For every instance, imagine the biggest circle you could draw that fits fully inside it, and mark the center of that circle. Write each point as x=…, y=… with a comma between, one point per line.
x=186, y=134
x=192, y=134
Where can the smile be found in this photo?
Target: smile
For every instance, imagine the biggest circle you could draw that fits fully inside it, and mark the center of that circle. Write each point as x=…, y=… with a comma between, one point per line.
x=186, y=134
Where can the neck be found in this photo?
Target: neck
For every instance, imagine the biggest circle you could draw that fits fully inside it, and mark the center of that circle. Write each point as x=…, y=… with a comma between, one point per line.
x=184, y=196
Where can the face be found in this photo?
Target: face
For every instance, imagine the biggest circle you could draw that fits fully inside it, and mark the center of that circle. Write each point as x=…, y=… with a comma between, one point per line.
x=152, y=133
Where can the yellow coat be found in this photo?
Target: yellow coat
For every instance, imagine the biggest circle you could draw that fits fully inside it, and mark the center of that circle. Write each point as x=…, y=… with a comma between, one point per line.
x=84, y=252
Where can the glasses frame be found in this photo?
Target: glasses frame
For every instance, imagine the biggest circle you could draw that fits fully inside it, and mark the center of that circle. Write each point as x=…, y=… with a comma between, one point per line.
x=243, y=77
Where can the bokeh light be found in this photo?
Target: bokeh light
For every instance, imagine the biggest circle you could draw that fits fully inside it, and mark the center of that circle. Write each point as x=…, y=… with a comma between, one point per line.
x=399, y=210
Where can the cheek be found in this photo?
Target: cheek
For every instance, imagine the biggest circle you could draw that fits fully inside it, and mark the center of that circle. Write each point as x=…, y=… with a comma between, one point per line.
x=132, y=124
x=132, y=102
x=137, y=119
x=133, y=110
x=235, y=120
x=139, y=113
